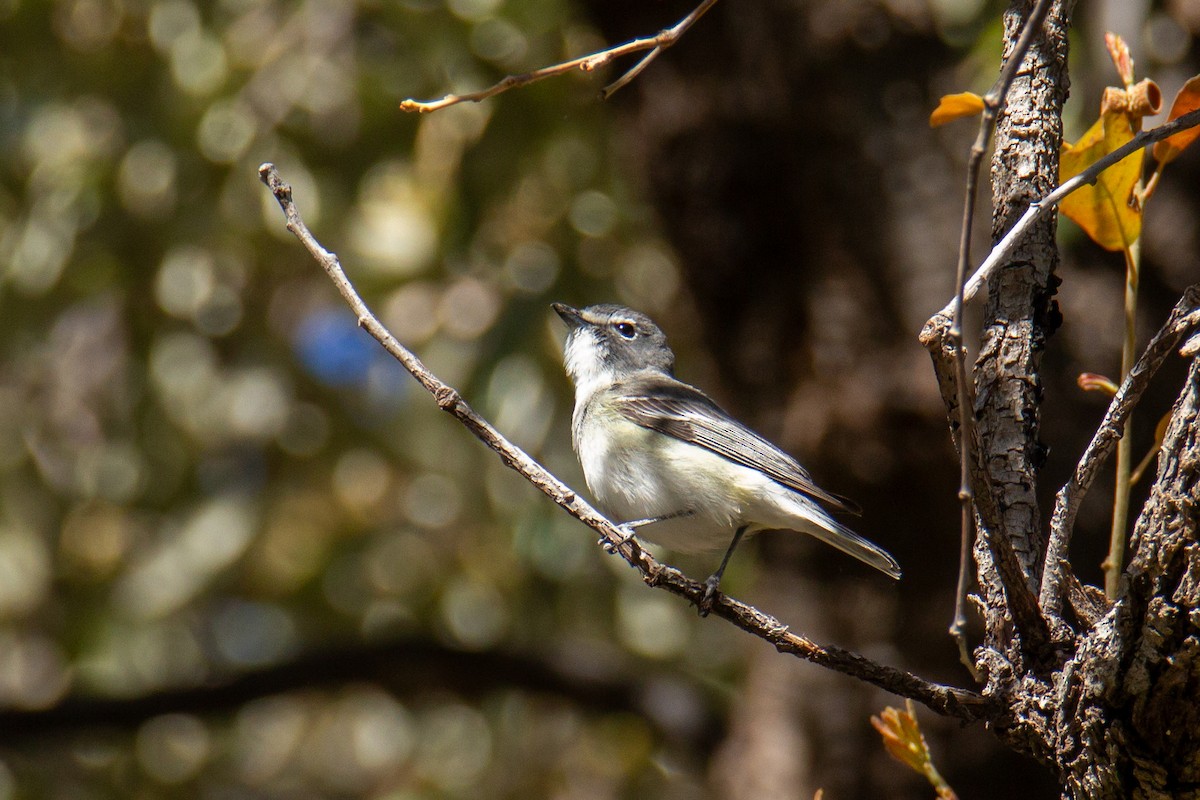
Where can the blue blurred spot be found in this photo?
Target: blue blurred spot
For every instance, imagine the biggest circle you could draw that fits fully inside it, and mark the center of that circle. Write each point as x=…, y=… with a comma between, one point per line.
x=335, y=350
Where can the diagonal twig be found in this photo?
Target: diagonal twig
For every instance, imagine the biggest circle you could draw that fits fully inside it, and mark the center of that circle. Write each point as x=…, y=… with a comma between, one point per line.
x=964, y=704
x=667, y=38
x=1039, y=209
x=589, y=63
x=1184, y=318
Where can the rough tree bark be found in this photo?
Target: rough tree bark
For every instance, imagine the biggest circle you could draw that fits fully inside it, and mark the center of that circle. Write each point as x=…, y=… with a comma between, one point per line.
x=1111, y=702
x=1019, y=316
x=1127, y=721
x=1106, y=697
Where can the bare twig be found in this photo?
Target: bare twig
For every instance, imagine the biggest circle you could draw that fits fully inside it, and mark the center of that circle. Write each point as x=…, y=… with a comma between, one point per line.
x=992, y=102
x=959, y=703
x=1184, y=318
x=589, y=63
x=668, y=37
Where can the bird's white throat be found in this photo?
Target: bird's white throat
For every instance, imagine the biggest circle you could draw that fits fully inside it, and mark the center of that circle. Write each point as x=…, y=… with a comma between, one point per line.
x=586, y=360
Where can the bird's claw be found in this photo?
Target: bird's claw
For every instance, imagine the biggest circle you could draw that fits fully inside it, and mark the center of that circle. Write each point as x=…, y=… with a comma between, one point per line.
x=710, y=595
x=610, y=546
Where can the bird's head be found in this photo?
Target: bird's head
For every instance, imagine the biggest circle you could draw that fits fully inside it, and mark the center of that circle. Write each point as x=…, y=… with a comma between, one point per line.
x=608, y=342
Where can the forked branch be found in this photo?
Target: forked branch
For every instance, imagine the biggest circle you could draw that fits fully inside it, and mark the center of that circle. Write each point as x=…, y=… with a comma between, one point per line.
x=937, y=339
x=1036, y=211
x=589, y=63
x=1184, y=319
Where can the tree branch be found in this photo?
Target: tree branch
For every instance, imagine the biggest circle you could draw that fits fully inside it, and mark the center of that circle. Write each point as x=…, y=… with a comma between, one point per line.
x=946, y=700
x=655, y=44
x=1021, y=599
x=992, y=103
x=1184, y=318
x=936, y=334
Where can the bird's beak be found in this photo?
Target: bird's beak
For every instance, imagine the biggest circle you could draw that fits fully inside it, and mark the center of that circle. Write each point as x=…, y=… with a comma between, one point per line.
x=569, y=315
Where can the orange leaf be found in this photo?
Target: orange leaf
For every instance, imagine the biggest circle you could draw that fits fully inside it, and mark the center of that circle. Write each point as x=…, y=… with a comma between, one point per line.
x=1187, y=100
x=956, y=106
x=1118, y=51
x=1103, y=210
x=902, y=738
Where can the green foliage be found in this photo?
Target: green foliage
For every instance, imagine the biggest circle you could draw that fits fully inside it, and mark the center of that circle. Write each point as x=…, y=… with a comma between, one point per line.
x=206, y=469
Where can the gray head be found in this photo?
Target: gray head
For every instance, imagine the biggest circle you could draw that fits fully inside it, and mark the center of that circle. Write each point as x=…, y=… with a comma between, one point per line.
x=607, y=342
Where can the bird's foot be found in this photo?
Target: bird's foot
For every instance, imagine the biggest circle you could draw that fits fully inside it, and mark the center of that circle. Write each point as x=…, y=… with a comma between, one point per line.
x=610, y=547
x=710, y=595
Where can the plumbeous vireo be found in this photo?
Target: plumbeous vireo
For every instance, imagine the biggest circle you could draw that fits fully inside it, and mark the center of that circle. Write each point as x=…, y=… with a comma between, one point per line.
x=663, y=459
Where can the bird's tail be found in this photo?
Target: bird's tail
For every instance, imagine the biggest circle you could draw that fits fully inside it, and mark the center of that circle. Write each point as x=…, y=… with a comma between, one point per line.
x=834, y=533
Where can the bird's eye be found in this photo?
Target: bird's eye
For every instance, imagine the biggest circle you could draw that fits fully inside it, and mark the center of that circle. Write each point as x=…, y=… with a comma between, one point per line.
x=626, y=329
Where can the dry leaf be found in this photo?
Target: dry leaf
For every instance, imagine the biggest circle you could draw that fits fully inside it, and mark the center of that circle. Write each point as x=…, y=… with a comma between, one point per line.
x=1187, y=100
x=1142, y=99
x=1103, y=209
x=956, y=106
x=902, y=738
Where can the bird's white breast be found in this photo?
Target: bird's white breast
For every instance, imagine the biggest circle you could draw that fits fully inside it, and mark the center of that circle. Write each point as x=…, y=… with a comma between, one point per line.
x=636, y=473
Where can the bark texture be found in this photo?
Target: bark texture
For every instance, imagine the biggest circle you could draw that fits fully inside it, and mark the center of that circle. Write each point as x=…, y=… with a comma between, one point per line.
x=1020, y=313
x=1110, y=701
x=1127, y=722
x=1105, y=696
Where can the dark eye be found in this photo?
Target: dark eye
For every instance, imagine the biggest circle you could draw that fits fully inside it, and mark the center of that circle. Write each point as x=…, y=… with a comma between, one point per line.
x=626, y=329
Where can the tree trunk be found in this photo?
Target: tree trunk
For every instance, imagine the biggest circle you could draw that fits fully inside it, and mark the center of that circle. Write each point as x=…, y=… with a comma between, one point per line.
x=1114, y=708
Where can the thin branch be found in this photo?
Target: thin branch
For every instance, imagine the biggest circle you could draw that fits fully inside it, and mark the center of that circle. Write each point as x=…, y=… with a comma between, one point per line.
x=1037, y=210
x=946, y=700
x=589, y=63
x=992, y=103
x=1184, y=318
x=669, y=37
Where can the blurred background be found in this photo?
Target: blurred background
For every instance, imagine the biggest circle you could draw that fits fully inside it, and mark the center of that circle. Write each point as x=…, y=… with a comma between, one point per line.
x=243, y=555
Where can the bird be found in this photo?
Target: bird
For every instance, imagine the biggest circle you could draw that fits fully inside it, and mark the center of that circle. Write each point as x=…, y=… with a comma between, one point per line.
x=668, y=464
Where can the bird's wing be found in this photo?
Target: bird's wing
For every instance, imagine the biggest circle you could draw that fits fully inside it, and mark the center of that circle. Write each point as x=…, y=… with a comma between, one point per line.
x=685, y=413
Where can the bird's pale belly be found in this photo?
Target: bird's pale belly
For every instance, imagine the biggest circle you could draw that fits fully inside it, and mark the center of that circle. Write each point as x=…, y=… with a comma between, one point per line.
x=636, y=473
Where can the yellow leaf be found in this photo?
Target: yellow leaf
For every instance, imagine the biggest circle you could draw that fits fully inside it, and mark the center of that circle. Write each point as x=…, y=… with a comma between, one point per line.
x=1187, y=100
x=1103, y=210
x=956, y=106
